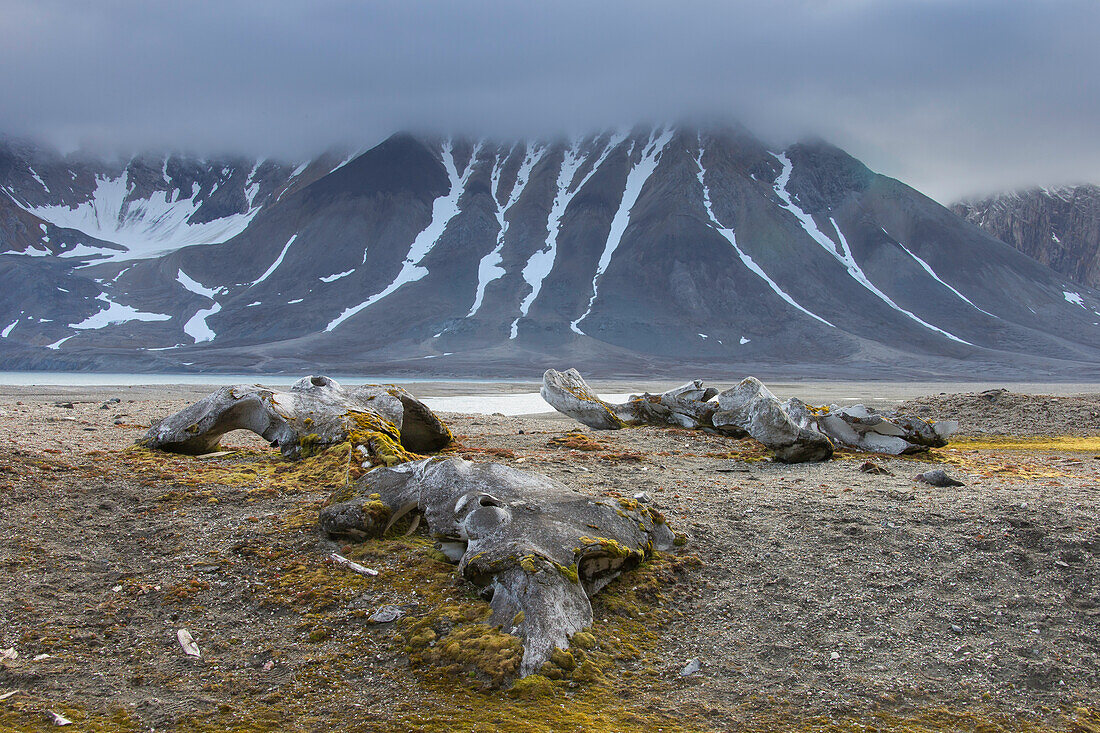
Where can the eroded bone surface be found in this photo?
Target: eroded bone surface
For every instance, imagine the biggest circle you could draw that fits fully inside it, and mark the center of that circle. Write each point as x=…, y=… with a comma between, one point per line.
x=536, y=547
x=314, y=413
x=792, y=430
x=752, y=407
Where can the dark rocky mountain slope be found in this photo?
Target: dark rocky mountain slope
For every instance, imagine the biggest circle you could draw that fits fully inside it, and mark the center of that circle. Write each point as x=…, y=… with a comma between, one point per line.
x=1060, y=227
x=652, y=250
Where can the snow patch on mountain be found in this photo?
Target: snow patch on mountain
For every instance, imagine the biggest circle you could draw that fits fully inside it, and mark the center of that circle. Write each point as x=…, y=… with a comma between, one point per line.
x=337, y=276
x=275, y=265
x=196, y=326
x=540, y=263
x=444, y=209
x=145, y=227
x=489, y=268
x=196, y=287
x=937, y=278
x=635, y=180
x=1073, y=297
x=748, y=261
x=844, y=256
x=114, y=314
x=57, y=344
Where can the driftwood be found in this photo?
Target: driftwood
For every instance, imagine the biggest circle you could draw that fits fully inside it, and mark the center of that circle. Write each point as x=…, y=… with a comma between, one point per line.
x=316, y=412
x=792, y=430
x=537, y=548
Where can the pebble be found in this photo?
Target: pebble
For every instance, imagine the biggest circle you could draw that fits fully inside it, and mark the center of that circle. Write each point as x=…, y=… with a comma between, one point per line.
x=937, y=477
x=385, y=615
x=691, y=667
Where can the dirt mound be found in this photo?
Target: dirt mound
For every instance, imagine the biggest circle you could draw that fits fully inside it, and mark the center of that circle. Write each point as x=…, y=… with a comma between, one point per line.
x=1000, y=412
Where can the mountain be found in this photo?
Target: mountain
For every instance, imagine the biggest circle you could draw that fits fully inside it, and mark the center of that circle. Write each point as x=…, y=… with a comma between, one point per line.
x=668, y=250
x=1060, y=227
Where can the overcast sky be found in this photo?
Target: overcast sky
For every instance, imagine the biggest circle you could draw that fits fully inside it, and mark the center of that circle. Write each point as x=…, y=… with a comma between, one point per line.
x=954, y=98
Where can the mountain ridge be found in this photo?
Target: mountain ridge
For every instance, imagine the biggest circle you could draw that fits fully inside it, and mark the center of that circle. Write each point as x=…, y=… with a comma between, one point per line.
x=1058, y=226
x=645, y=248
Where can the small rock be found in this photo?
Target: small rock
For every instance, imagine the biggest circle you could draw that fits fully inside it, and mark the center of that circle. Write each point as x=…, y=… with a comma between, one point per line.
x=834, y=656
x=872, y=467
x=938, y=477
x=190, y=648
x=691, y=667
x=385, y=615
x=66, y=405
x=956, y=628
x=521, y=431
x=105, y=406
x=643, y=498
x=9, y=653
x=114, y=400
x=59, y=719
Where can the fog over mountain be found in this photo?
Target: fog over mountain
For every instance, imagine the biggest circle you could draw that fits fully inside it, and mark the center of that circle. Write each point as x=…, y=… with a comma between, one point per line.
x=955, y=98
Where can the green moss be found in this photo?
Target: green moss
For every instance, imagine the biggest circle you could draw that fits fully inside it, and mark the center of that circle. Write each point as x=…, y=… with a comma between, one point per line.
x=611, y=547
x=563, y=659
x=532, y=687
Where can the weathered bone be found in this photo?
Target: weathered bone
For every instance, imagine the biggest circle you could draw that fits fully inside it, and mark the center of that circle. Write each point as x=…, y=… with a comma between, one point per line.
x=535, y=546
x=314, y=413
x=794, y=431
x=685, y=406
x=752, y=407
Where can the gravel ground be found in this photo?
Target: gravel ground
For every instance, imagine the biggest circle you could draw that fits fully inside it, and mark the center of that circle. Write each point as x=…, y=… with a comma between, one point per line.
x=824, y=593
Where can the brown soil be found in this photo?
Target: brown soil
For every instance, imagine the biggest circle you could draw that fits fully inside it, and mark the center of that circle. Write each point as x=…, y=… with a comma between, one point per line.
x=826, y=597
x=1001, y=412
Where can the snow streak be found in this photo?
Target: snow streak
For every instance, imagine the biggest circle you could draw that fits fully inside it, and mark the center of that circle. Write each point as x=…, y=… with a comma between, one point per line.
x=844, y=257
x=489, y=268
x=193, y=285
x=444, y=209
x=540, y=263
x=337, y=276
x=114, y=314
x=635, y=180
x=930, y=271
x=278, y=261
x=745, y=258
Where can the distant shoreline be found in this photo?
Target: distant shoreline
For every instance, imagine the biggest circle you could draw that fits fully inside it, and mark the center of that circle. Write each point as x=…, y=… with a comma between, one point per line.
x=61, y=386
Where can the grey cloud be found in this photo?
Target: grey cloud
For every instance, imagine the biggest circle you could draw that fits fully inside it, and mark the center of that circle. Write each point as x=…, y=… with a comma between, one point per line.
x=952, y=97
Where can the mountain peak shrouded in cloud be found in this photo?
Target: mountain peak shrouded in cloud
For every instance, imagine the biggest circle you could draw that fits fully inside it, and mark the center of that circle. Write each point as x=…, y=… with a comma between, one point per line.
x=628, y=250
x=958, y=98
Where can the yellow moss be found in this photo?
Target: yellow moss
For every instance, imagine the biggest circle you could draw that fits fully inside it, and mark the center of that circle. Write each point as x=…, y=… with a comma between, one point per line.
x=531, y=687
x=612, y=547
x=1068, y=443
x=583, y=640
x=563, y=659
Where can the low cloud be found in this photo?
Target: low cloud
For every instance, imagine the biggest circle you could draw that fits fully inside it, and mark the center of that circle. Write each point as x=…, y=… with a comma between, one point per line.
x=953, y=98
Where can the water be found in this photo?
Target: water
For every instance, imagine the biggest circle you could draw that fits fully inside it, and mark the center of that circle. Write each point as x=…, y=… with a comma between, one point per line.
x=107, y=379
x=523, y=403
x=482, y=396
